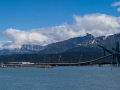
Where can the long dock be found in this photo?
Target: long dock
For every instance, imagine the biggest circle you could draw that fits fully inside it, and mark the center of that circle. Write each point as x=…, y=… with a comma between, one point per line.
x=39, y=64
x=59, y=64
x=52, y=64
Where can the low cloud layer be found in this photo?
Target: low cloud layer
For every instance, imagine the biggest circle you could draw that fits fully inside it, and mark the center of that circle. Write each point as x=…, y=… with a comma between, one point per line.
x=95, y=24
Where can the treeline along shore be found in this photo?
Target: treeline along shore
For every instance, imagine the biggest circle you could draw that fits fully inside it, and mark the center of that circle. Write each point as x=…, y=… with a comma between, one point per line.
x=53, y=58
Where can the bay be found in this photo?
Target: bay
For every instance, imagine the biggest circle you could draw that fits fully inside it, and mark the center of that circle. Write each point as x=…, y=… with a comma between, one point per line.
x=60, y=78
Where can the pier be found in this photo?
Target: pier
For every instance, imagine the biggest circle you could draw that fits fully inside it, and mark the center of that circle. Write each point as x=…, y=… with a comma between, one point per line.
x=45, y=65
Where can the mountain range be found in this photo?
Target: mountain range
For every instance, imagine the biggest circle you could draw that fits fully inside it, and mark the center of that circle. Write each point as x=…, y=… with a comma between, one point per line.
x=86, y=43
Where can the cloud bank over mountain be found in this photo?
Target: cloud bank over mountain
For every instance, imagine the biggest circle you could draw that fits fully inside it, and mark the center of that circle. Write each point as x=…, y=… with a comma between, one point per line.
x=95, y=24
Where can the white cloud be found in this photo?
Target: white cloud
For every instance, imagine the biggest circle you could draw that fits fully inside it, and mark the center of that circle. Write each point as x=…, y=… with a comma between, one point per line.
x=116, y=4
x=118, y=9
x=98, y=24
x=19, y=37
x=95, y=24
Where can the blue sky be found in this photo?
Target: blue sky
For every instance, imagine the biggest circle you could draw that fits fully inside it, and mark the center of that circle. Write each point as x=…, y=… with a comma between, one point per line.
x=30, y=14
x=47, y=21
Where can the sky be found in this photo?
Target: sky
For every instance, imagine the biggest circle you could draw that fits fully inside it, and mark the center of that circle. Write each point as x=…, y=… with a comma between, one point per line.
x=43, y=22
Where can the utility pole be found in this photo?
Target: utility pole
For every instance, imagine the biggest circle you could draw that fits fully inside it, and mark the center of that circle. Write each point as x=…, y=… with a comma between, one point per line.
x=59, y=59
x=44, y=59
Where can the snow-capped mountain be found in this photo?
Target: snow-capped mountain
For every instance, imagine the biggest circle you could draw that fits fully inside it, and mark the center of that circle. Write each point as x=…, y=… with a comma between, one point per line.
x=78, y=44
x=31, y=48
x=87, y=43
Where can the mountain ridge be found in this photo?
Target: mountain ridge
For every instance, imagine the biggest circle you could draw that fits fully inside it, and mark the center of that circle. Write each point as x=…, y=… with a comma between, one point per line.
x=86, y=43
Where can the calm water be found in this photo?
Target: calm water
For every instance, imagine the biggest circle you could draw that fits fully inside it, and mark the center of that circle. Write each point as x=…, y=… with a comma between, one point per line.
x=60, y=78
